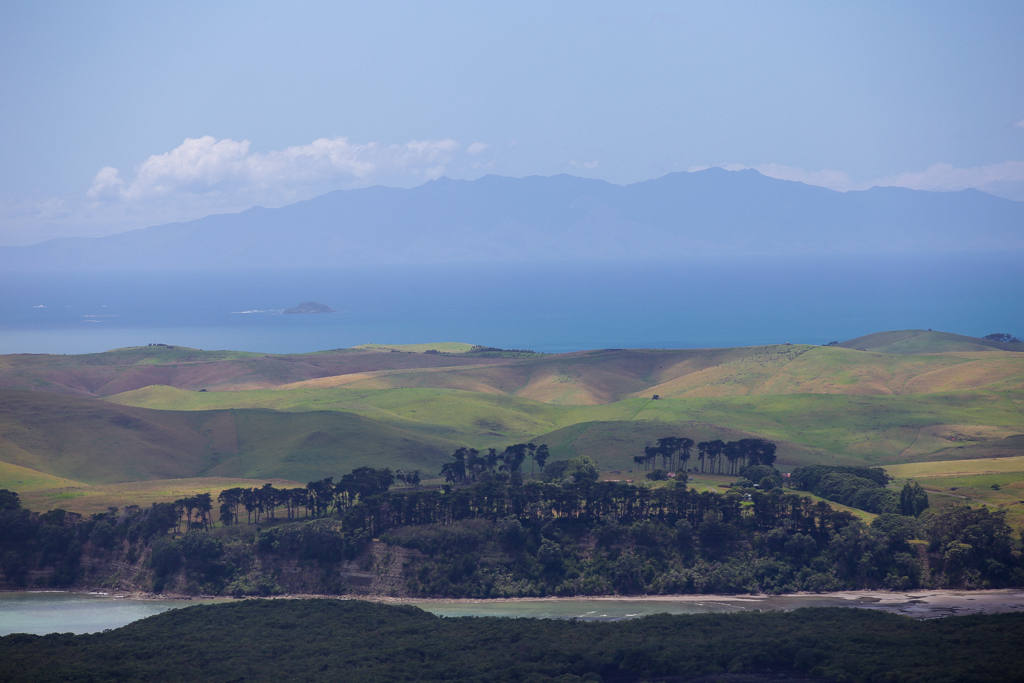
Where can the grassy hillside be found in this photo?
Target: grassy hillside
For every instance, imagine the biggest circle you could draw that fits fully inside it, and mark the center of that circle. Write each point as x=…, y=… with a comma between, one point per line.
x=614, y=443
x=602, y=377
x=846, y=429
x=997, y=483
x=925, y=341
x=445, y=347
x=112, y=372
x=593, y=378
x=86, y=500
x=957, y=468
x=582, y=378
x=95, y=442
x=313, y=415
x=17, y=478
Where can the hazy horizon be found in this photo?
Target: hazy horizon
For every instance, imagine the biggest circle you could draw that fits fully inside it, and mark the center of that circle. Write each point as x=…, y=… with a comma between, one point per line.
x=122, y=116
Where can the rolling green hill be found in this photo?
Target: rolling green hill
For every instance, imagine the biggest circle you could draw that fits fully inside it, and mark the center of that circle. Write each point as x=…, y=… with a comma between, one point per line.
x=313, y=415
x=602, y=377
x=909, y=362
x=95, y=442
x=840, y=428
x=112, y=372
x=925, y=341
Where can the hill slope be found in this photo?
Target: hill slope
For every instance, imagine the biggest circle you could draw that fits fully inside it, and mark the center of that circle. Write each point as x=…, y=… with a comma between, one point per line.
x=113, y=372
x=599, y=377
x=96, y=442
x=926, y=341
x=842, y=429
x=496, y=218
x=582, y=378
x=383, y=407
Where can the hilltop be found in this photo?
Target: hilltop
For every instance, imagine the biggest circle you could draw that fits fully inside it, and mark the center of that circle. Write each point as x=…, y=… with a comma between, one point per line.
x=900, y=363
x=926, y=341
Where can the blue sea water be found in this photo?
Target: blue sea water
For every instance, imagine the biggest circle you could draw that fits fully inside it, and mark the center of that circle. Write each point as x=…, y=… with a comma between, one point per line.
x=549, y=306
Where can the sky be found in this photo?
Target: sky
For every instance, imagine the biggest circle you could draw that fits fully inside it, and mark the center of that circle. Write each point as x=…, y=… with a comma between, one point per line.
x=118, y=115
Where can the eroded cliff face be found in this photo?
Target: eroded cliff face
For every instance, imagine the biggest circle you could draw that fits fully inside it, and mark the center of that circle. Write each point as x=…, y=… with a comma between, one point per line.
x=380, y=570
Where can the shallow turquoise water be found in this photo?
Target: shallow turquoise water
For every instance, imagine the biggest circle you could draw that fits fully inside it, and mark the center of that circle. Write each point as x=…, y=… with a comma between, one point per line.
x=43, y=613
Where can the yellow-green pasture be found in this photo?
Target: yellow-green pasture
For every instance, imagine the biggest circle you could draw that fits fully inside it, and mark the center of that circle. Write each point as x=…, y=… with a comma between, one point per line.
x=835, y=429
x=87, y=500
x=957, y=468
x=23, y=479
x=444, y=347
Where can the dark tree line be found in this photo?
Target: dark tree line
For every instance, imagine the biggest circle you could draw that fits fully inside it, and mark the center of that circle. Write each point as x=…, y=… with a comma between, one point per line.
x=471, y=465
x=196, y=510
x=861, y=487
x=317, y=499
x=719, y=457
x=501, y=536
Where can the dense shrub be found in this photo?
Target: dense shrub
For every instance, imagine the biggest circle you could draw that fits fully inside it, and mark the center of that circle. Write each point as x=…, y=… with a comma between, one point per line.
x=329, y=640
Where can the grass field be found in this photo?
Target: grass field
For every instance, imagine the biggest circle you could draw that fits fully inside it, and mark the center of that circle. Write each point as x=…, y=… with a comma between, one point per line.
x=603, y=377
x=941, y=363
x=957, y=468
x=87, y=500
x=839, y=428
x=97, y=442
x=445, y=347
x=21, y=479
x=995, y=482
x=913, y=398
x=925, y=341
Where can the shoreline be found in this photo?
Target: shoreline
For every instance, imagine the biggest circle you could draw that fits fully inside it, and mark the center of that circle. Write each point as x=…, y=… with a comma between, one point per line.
x=863, y=597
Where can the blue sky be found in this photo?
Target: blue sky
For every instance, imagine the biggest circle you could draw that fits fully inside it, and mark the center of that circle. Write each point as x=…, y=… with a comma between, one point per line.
x=119, y=115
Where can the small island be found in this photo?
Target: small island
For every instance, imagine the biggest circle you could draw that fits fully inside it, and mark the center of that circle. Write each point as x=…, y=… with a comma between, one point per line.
x=308, y=307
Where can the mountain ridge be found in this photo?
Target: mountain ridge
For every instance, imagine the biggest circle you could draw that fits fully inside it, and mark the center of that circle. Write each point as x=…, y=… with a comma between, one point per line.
x=497, y=218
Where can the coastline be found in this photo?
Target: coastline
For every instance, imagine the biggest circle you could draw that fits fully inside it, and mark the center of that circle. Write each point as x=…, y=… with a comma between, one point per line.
x=923, y=603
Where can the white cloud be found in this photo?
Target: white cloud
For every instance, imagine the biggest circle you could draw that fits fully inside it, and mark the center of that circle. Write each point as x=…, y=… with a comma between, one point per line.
x=945, y=177
x=226, y=170
x=585, y=164
x=477, y=147
x=1019, y=124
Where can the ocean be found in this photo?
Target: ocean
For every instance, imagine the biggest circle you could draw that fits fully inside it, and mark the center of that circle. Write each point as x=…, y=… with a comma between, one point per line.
x=551, y=306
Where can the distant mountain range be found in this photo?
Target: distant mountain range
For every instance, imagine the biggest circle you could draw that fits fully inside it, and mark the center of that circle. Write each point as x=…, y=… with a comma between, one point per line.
x=501, y=219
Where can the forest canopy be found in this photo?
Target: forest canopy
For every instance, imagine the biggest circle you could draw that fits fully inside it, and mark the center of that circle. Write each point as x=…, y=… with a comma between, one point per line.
x=329, y=640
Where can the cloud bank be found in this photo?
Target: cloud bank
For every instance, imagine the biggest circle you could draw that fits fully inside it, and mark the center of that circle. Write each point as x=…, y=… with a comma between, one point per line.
x=227, y=170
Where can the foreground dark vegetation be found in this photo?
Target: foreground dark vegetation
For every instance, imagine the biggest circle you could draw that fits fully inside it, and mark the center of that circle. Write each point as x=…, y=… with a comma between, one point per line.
x=496, y=535
x=330, y=640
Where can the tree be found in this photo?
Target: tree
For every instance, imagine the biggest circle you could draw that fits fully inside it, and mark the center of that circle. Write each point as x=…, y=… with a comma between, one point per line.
x=227, y=515
x=1002, y=337
x=734, y=452
x=321, y=495
x=203, y=506
x=651, y=454
x=232, y=498
x=542, y=455
x=913, y=500
x=714, y=450
x=249, y=503
x=685, y=449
